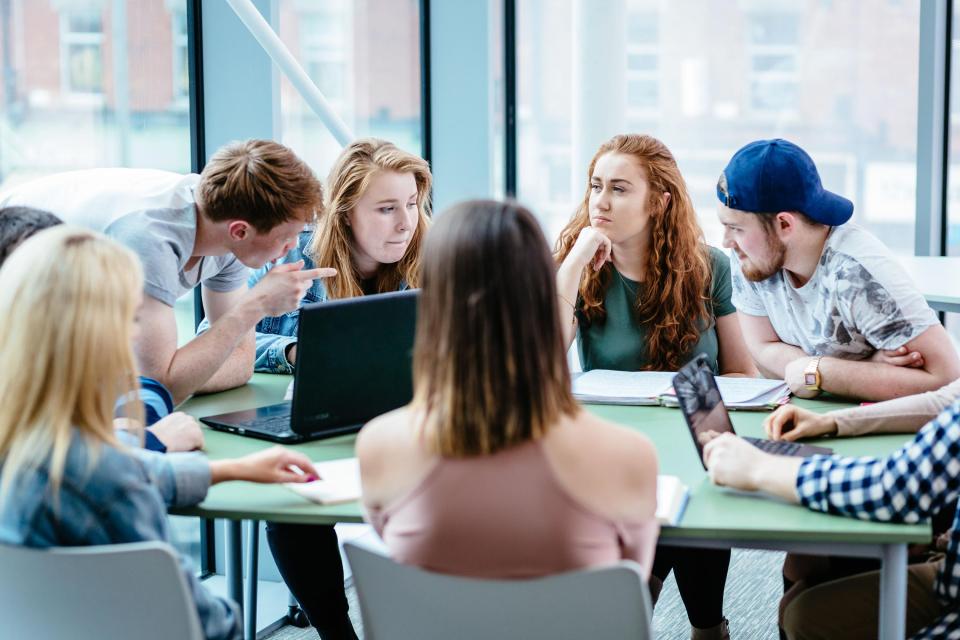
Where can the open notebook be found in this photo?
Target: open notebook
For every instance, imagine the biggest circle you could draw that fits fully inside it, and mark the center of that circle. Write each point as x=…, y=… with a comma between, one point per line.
x=339, y=482
x=603, y=386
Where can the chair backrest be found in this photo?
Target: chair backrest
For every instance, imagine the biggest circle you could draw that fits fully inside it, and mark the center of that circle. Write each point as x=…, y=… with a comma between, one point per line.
x=96, y=593
x=401, y=602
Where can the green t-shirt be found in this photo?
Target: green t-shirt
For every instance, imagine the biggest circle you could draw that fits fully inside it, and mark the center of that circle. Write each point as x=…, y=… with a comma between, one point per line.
x=618, y=342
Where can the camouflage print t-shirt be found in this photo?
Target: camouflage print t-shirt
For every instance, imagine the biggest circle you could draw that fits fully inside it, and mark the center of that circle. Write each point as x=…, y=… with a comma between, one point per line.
x=859, y=300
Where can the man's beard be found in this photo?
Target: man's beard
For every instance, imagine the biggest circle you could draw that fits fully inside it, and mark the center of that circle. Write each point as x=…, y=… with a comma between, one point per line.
x=759, y=273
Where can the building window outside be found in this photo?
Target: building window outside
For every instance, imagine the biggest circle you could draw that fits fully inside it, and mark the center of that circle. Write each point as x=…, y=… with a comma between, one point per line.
x=773, y=53
x=81, y=51
x=364, y=57
x=643, y=64
x=327, y=47
x=181, y=58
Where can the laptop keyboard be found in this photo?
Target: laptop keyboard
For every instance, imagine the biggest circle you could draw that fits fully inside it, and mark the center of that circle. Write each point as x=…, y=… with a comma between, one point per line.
x=273, y=424
x=779, y=447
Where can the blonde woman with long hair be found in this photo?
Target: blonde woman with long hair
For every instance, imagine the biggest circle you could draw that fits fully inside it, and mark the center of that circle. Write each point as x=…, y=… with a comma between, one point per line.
x=493, y=470
x=376, y=214
x=65, y=478
x=641, y=290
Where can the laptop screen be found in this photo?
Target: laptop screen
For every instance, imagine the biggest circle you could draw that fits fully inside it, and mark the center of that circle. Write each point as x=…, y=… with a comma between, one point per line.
x=700, y=402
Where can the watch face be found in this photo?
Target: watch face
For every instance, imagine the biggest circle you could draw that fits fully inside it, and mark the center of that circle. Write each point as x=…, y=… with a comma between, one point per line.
x=810, y=379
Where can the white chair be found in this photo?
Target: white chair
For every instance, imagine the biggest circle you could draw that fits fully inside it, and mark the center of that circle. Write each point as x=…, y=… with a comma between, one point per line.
x=399, y=602
x=95, y=593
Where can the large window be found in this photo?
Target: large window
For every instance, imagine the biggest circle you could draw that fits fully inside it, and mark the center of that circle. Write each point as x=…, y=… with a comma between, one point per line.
x=706, y=77
x=81, y=51
x=66, y=104
x=365, y=59
x=65, y=101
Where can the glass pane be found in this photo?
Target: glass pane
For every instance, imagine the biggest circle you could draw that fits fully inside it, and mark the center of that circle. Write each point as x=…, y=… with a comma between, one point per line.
x=837, y=78
x=365, y=59
x=85, y=68
x=774, y=28
x=84, y=21
x=953, y=175
x=61, y=99
x=642, y=62
x=643, y=94
x=642, y=28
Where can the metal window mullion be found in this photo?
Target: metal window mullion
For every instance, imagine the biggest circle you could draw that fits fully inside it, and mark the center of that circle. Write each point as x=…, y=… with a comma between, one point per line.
x=933, y=95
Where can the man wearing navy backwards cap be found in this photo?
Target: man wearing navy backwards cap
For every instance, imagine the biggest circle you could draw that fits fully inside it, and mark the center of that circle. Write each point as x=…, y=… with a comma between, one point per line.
x=823, y=304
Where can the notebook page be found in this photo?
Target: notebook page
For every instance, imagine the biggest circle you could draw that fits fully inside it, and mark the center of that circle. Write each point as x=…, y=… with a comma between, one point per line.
x=741, y=390
x=603, y=383
x=339, y=482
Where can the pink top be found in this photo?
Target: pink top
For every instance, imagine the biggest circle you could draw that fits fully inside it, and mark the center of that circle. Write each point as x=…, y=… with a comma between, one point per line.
x=505, y=516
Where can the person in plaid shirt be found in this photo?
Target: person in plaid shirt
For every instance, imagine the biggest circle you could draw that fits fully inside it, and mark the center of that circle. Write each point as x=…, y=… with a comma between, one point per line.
x=908, y=486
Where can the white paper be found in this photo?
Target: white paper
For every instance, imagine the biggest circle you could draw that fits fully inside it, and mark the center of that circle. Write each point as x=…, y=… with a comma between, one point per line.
x=739, y=390
x=671, y=499
x=339, y=482
x=622, y=386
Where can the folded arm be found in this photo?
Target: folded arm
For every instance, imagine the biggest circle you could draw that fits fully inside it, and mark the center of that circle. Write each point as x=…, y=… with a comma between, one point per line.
x=770, y=354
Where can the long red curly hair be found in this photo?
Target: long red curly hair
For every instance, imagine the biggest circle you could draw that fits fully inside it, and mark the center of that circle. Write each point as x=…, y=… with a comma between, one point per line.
x=673, y=304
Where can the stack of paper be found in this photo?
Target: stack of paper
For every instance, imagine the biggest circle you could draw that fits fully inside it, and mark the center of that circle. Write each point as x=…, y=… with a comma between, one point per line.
x=672, y=498
x=745, y=393
x=339, y=482
x=602, y=386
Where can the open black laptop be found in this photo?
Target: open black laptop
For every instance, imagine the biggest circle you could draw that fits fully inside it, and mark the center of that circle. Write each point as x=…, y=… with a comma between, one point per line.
x=354, y=362
x=703, y=409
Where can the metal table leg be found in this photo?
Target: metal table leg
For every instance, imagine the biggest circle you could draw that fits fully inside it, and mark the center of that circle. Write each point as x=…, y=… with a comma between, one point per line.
x=893, y=592
x=250, y=604
x=233, y=554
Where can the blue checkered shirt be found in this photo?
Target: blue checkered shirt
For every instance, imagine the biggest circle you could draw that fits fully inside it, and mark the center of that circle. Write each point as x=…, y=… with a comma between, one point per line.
x=908, y=486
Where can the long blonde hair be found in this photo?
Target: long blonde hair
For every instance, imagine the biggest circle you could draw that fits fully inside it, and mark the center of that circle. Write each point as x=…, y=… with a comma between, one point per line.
x=673, y=302
x=489, y=365
x=332, y=242
x=68, y=298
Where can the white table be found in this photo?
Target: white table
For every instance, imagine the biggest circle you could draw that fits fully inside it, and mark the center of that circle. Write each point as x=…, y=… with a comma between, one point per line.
x=938, y=279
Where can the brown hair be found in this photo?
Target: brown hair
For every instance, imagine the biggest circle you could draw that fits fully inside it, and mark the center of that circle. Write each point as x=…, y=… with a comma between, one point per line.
x=19, y=223
x=260, y=182
x=673, y=304
x=489, y=368
x=332, y=243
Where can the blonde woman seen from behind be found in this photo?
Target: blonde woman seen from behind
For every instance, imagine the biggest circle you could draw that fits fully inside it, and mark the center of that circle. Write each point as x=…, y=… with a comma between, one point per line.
x=493, y=470
x=65, y=478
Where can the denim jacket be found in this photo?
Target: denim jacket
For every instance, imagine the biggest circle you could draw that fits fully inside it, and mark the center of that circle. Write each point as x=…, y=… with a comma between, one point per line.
x=275, y=334
x=121, y=498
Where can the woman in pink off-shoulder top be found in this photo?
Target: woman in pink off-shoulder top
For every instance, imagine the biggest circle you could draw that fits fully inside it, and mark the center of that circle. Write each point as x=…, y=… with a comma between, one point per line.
x=493, y=469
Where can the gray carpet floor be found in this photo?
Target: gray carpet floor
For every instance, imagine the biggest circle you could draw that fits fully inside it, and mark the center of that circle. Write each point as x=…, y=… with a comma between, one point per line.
x=750, y=603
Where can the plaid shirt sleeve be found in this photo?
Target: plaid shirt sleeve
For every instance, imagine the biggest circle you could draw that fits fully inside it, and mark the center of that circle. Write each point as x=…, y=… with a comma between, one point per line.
x=908, y=486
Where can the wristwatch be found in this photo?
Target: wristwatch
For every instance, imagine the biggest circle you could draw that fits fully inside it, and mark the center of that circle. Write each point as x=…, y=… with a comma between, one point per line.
x=811, y=374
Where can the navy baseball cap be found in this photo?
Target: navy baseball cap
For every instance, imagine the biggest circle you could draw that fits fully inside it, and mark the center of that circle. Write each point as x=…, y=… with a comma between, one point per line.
x=769, y=176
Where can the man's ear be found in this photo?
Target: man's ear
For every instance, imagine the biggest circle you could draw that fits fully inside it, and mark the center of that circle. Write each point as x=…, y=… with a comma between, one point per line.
x=238, y=229
x=787, y=223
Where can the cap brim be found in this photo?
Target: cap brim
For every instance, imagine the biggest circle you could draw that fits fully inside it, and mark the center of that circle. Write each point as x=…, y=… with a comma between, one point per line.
x=829, y=208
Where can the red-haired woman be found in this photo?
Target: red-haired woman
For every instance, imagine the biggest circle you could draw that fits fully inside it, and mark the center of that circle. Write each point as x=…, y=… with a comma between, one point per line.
x=642, y=291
